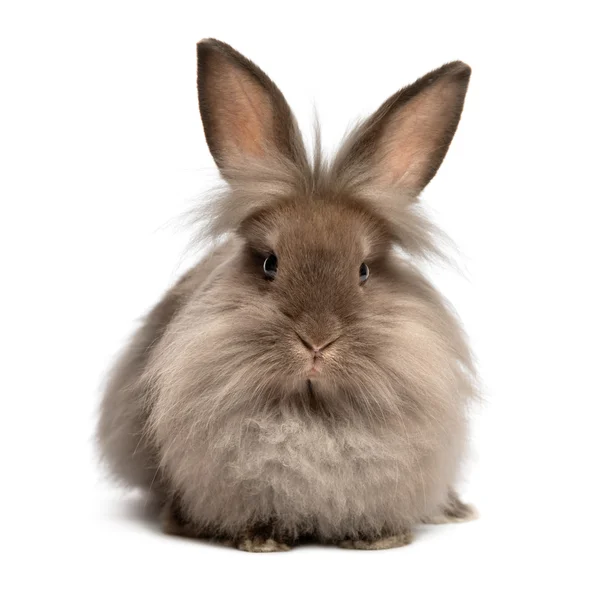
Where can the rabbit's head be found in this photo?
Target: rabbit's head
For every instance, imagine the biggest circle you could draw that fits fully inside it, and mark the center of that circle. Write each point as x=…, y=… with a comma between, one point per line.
x=311, y=298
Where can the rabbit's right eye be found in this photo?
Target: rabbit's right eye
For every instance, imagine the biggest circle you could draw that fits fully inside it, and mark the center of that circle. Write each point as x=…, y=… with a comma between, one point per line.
x=270, y=266
x=363, y=273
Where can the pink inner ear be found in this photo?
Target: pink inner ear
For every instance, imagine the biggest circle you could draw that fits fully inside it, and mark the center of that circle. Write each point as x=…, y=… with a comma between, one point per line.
x=244, y=115
x=415, y=135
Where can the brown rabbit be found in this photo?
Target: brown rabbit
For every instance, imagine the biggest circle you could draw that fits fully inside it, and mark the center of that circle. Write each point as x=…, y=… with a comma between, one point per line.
x=304, y=380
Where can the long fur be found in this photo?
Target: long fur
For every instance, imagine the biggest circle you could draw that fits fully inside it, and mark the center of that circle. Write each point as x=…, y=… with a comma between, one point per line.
x=210, y=402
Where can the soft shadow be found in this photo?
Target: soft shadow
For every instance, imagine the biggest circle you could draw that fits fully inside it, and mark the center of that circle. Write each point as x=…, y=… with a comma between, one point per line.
x=140, y=509
x=144, y=511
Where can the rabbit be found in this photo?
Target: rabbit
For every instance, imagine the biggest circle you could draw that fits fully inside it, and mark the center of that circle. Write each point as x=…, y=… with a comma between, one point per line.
x=304, y=381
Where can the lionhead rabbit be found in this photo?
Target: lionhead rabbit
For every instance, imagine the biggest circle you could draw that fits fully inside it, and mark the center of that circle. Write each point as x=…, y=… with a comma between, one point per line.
x=304, y=380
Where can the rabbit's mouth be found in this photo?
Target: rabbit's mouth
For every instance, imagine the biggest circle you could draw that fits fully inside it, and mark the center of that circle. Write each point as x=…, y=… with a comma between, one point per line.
x=317, y=366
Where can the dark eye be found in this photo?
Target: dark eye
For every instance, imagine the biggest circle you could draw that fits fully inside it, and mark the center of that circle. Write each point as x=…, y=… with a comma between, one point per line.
x=270, y=266
x=363, y=273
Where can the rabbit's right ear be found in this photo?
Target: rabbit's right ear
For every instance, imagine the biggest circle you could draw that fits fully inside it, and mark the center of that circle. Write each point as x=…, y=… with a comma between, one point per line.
x=244, y=114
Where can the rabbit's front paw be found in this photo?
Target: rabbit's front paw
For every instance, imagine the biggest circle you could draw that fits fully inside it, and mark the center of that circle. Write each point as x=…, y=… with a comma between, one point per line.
x=261, y=544
x=383, y=543
x=263, y=537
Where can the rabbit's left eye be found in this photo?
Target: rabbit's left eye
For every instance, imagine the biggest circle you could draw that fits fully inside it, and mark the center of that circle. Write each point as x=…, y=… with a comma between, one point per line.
x=270, y=266
x=363, y=273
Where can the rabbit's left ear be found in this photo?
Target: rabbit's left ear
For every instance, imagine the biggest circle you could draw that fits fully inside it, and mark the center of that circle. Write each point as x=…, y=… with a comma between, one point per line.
x=404, y=142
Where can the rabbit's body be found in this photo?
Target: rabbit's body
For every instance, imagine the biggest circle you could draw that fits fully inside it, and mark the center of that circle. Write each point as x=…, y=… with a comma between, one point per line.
x=280, y=394
x=122, y=431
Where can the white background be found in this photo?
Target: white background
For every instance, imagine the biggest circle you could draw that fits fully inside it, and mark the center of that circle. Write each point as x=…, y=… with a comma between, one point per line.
x=102, y=151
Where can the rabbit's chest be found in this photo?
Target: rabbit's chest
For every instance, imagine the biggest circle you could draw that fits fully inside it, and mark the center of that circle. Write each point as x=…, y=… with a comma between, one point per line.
x=308, y=472
x=313, y=461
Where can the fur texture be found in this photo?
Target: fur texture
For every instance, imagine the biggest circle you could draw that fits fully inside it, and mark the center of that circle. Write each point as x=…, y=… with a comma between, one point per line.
x=266, y=410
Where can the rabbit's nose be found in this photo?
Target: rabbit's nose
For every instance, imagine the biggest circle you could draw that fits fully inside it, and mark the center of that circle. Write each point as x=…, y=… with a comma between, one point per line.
x=316, y=348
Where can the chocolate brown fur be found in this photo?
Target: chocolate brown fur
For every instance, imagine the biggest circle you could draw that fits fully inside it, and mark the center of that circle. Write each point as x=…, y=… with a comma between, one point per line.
x=212, y=407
